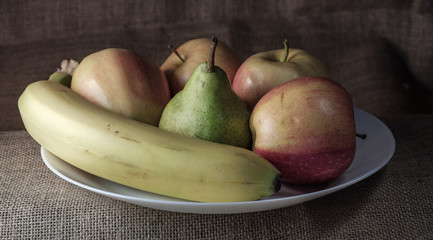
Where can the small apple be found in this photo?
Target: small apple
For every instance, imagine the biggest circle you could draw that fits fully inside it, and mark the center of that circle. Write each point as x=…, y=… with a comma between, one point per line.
x=264, y=71
x=182, y=62
x=306, y=129
x=123, y=82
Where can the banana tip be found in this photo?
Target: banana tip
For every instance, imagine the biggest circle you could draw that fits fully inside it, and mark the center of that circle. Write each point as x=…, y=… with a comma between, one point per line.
x=277, y=183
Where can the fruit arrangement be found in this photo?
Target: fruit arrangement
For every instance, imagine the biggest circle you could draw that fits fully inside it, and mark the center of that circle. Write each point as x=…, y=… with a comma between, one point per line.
x=203, y=126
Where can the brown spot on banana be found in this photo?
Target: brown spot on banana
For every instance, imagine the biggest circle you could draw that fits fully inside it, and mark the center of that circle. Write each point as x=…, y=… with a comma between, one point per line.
x=130, y=139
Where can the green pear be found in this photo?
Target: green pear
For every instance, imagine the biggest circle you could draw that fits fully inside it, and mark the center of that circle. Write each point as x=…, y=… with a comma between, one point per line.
x=208, y=108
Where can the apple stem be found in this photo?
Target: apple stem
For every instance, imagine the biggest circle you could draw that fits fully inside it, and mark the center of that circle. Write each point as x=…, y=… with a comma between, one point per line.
x=286, y=50
x=173, y=49
x=361, y=135
x=211, y=60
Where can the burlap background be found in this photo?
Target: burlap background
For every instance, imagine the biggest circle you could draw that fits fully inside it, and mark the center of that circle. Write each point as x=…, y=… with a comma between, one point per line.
x=376, y=49
x=381, y=51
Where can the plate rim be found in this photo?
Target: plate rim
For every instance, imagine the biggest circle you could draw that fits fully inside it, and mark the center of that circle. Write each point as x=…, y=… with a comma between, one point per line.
x=220, y=208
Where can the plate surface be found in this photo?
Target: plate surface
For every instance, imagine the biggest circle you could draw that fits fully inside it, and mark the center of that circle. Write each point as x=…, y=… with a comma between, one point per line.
x=372, y=154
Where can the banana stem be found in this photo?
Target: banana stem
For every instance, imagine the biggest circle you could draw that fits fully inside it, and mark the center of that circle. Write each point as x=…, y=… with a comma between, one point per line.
x=286, y=50
x=173, y=49
x=211, y=60
x=68, y=66
x=63, y=75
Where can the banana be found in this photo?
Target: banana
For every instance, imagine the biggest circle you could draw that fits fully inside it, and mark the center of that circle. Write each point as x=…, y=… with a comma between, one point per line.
x=139, y=155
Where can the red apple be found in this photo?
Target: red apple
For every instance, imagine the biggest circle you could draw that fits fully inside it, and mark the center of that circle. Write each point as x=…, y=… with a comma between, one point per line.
x=123, y=82
x=264, y=71
x=180, y=65
x=306, y=128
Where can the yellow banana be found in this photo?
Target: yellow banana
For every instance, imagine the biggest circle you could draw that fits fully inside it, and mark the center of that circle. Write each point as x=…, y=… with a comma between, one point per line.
x=139, y=155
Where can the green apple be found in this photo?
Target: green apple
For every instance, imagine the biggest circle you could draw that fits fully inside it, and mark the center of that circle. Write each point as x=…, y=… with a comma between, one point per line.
x=182, y=62
x=306, y=129
x=123, y=82
x=264, y=71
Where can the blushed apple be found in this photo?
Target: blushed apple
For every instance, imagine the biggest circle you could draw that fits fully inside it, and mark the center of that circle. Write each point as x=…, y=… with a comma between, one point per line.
x=123, y=82
x=182, y=62
x=264, y=71
x=306, y=129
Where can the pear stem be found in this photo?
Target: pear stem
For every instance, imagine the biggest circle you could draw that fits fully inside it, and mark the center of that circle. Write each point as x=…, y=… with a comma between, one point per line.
x=286, y=50
x=173, y=49
x=211, y=60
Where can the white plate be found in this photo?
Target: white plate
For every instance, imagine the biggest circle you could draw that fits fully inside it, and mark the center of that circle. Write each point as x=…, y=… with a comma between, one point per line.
x=372, y=154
